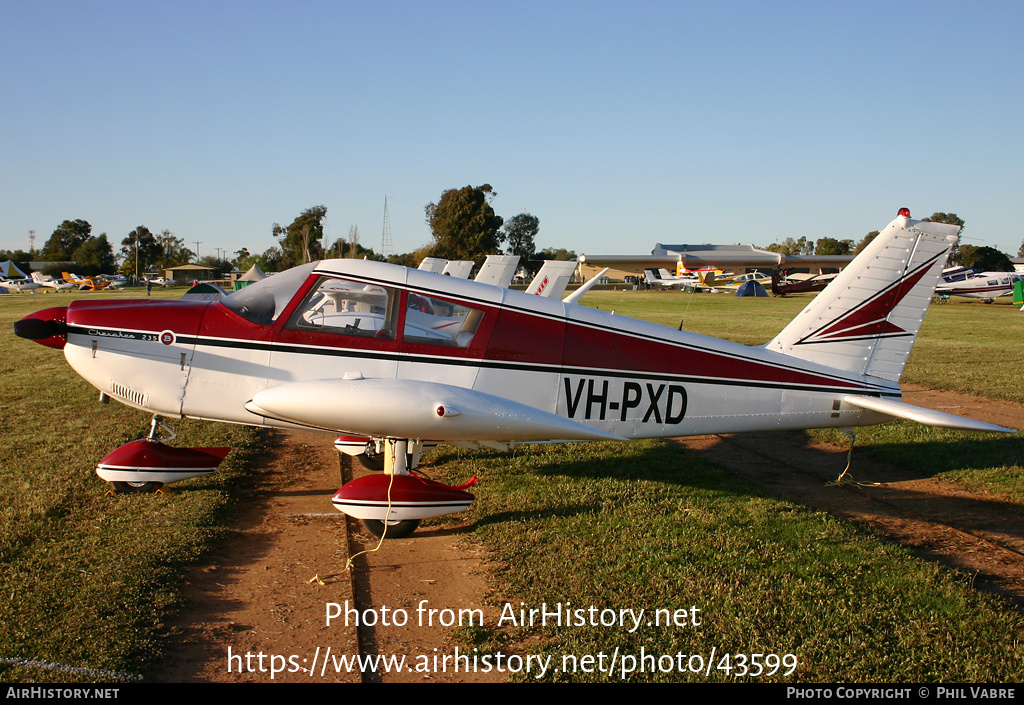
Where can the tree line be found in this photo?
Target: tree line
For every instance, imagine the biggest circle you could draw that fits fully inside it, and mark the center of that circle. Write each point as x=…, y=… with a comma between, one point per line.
x=463, y=226
x=986, y=259
x=462, y=222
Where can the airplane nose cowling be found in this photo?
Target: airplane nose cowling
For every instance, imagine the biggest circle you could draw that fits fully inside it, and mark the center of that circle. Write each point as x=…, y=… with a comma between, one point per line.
x=47, y=327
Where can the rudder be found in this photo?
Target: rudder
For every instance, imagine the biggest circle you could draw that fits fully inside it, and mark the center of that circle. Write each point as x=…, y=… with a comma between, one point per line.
x=867, y=319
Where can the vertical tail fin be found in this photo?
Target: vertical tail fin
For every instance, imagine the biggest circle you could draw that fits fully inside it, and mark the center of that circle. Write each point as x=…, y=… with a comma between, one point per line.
x=552, y=278
x=498, y=270
x=867, y=319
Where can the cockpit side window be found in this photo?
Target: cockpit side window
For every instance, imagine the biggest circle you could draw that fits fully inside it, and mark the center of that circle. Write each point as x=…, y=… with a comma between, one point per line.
x=439, y=322
x=343, y=306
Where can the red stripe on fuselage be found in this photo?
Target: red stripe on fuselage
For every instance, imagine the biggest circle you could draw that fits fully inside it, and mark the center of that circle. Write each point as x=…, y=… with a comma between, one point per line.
x=532, y=339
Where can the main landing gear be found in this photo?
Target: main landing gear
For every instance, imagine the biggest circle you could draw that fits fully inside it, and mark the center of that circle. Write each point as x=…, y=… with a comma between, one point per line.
x=146, y=465
x=391, y=505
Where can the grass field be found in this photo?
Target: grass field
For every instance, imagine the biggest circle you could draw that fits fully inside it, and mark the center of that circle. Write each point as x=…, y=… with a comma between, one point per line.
x=89, y=579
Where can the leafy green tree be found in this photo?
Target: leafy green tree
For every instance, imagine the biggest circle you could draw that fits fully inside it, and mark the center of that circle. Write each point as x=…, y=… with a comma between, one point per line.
x=345, y=249
x=789, y=246
x=143, y=243
x=952, y=219
x=412, y=259
x=351, y=249
x=464, y=225
x=560, y=254
x=985, y=259
x=95, y=256
x=269, y=261
x=521, y=231
x=865, y=242
x=406, y=260
x=173, y=250
x=831, y=246
x=302, y=241
x=65, y=241
x=219, y=267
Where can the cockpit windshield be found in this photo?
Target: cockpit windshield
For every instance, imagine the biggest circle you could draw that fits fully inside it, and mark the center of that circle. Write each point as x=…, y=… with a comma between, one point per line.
x=263, y=302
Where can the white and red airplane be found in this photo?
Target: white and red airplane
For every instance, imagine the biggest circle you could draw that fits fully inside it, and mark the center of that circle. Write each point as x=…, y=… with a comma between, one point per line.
x=985, y=285
x=405, y=356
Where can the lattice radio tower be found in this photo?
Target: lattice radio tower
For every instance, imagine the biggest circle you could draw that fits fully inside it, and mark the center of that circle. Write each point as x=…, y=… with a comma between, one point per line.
x=386, y=248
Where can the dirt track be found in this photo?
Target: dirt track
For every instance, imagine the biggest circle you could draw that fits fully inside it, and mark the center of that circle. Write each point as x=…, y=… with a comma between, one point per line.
x=267, y=588
x=257, y=594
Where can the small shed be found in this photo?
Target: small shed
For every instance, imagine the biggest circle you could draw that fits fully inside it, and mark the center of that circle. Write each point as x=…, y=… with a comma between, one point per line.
x=188, y=273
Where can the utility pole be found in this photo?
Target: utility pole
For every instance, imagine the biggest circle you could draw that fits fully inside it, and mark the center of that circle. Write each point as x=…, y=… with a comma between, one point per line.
x=386, y=248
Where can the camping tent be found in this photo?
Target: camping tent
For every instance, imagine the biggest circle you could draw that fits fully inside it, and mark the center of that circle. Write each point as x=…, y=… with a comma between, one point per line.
x=253, y=275
x=751, y=288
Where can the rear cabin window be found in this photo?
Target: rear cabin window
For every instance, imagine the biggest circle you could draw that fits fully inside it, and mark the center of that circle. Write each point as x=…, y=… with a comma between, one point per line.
x=438, y=322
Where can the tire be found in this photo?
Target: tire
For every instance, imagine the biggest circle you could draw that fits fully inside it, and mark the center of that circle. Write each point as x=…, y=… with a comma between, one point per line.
x=136, y=487
x=399, y=530
x=373, y=462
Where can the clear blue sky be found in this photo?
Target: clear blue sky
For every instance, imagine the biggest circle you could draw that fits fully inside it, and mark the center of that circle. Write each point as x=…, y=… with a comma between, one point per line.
x=618, y=124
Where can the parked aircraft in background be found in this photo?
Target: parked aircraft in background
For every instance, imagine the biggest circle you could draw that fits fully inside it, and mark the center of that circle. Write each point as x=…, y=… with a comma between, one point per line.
x=662, y=278
x=695, y=257
x=733, y=282
x=162, y=281
x=13, y=286
x=48, y=281
x=406, y=357
x=799, y=283
x=86, y=283
x=986, y=285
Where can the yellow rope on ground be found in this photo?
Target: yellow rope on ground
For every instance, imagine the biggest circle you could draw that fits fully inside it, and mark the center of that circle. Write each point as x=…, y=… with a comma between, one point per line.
x=348, y=563
x=849, y=461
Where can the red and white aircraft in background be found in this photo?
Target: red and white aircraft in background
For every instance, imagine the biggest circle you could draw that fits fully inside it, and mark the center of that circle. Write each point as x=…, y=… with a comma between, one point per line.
x=984, y=285
x=405, y=356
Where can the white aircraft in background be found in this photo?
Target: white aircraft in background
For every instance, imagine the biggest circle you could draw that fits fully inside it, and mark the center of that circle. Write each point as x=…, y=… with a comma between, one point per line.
x=986, y=285
x=660, y=277
x=484, y=364
x=48, y=281
x=12, y=286
x=162, y=281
